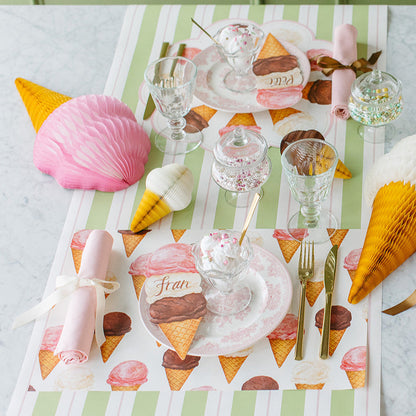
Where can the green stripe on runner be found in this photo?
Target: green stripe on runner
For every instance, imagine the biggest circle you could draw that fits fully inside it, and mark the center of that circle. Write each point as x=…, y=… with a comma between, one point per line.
x=145, y=403
x=256, y=14
x=324, y=24
x=291, y=12
x=267, y=210
x=141, y=56
x=342, y=403
x=293, y=403
x=96, y=403
x=194, y=403
x=225, y=213
x=354, y=146
x=183, y=31
x=244, y=403
x=221, y=12
x=100, y=208
x=46, y=403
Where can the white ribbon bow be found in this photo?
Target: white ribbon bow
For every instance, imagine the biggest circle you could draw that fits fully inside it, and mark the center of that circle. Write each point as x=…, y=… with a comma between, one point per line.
x=65, y=286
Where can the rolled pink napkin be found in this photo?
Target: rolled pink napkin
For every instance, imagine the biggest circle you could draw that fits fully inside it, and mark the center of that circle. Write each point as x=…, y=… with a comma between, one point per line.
x=78, y=332
x=345, y=51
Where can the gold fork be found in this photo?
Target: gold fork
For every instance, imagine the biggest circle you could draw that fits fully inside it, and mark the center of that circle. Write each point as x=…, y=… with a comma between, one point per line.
x=305, y=272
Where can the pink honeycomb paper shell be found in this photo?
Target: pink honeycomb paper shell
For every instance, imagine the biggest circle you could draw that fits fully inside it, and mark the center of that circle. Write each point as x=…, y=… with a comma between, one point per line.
x=92, y=142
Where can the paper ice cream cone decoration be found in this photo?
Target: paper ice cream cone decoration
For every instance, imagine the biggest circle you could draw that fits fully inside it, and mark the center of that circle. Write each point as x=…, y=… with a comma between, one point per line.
x=168, y=189
x=272, y=47
x=341, y=170
x=116, y=325
x=87, y=142
x=178, y=370
x=340, y=321
x=173, y=289
x=131, y=240
x=288, y=245
x=128, y=376
x=337, y=236
x=313, y=290
x=354, y=365
x=199, y=116
x=47, y=358
x=231, y=363
x=352, y=274
x=39, y=101
x=177, y=234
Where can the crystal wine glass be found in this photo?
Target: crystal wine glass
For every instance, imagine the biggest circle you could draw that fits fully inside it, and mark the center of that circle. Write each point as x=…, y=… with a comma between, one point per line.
x=223, y=263
x=171, y=82
x=375, y=101
x=309, y=165
x=238, y=44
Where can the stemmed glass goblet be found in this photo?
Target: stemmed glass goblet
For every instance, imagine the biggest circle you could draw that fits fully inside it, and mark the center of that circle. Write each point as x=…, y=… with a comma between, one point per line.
x=223, y=262
x=375, y=101
x=309, y=165
x=238, y=44
x=171, y=82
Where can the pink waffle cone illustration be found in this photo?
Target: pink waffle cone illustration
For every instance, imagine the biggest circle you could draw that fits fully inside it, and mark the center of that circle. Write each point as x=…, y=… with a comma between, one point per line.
x=231, y=365
x=281, y=349
x=47, y=361
x=313, y=290
x=180, y=334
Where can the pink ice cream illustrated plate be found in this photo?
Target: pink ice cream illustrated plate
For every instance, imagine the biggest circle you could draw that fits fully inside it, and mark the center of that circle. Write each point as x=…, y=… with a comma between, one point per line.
x=271, y=288
x=211, y=90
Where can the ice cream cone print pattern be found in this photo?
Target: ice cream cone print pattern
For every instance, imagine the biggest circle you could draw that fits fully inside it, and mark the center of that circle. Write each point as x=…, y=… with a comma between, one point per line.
x=173, y=289
x=318, y=92
x=75, y=377
x=199, y=117
x=87, y=142
x=138, y=273
x=390, y=238
x=168, y=189
x=351, y=262
x=283, y=338
x=131, y=240
x=178, y=370
x=310, y=375
x=77, y=246
x=315, y=285
x=116, y=325
x=337, y=236
x=341, y=170
x=177, y=234
x=340, y=321
x=288, y=245
x=231, y=363
x=127, y=376
x=278, y=76
x=244, y=120
x=260, y=383
x=47, y=360
x=354, y=365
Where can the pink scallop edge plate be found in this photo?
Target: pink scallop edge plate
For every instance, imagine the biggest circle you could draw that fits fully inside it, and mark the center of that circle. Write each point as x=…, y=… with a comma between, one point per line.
x=210, y=88
x=272, y=289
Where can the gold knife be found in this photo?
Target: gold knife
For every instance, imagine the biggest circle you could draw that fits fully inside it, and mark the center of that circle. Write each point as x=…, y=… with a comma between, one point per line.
x=329, y=281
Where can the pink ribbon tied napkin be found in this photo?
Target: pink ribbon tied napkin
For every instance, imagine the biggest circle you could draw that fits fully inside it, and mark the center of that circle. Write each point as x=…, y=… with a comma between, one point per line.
x=85, y=311
x=345, y=51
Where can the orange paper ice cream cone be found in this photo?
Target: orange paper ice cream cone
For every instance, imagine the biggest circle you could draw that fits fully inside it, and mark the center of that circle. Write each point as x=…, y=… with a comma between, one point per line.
x=281, y=349
x=313, y=290
x=231, y=365
x=352, y=274
x=341, y=171
x=47, y=361
x=390, y=237
x=177, y=234
x=337, y=236
x=110, y=344
x=272, y=47
x=180, y=334
x=39, y=101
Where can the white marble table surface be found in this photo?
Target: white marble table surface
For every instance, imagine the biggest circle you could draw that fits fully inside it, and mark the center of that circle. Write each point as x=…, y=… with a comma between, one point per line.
x=70, y=49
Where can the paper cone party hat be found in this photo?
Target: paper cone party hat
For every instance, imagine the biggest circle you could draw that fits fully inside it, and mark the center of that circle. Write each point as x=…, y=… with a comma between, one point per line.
x=390, y=238
x=272, y=47
x=39, y=101
x=168, y=189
